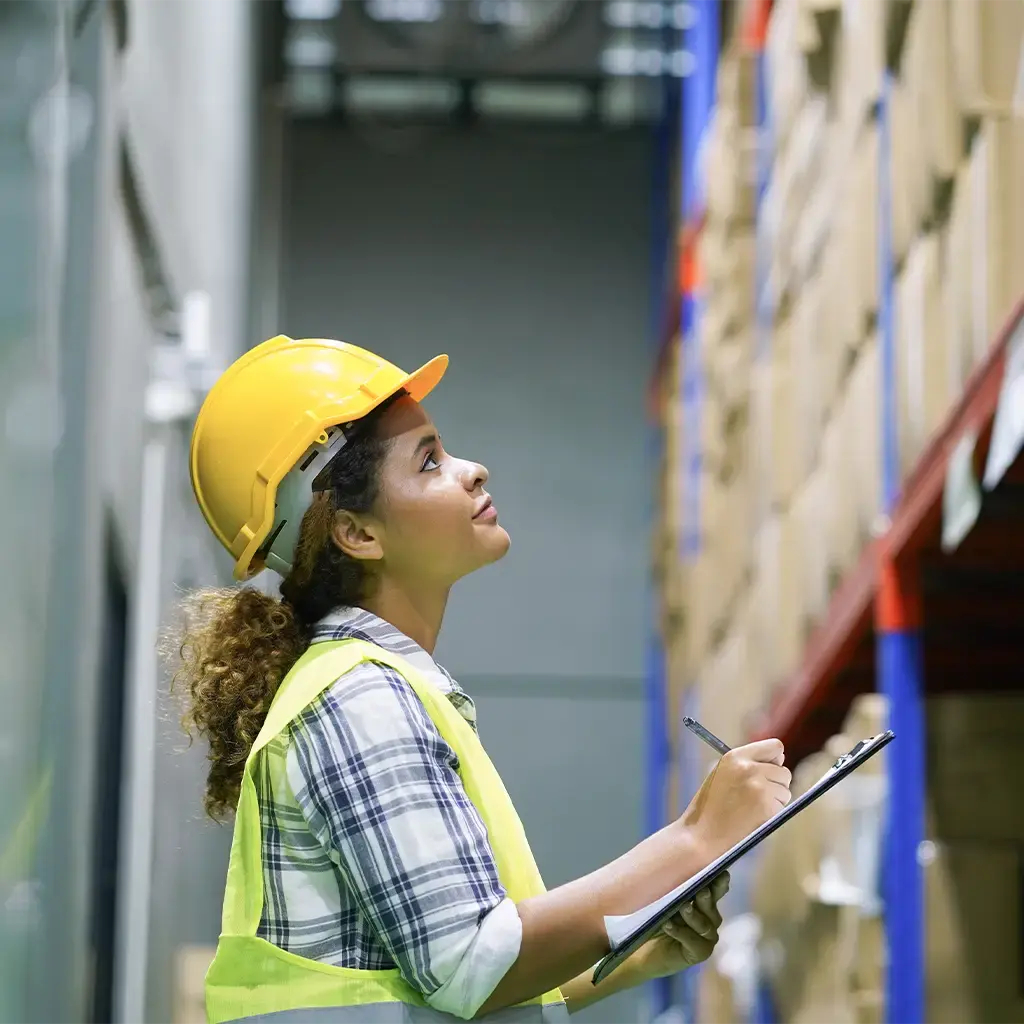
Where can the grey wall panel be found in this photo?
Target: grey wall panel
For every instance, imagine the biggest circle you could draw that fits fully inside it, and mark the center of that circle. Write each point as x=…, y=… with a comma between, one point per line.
x=524, y=255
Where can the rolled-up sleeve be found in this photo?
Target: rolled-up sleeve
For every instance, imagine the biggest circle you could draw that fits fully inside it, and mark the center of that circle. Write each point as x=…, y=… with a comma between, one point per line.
x=380, y=790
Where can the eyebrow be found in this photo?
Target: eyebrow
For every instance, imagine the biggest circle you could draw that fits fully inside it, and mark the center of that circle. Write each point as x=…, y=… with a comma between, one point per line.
x=426, y=441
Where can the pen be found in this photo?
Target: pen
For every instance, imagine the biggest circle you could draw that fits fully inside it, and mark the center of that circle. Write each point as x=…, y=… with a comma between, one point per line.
x=708, y=737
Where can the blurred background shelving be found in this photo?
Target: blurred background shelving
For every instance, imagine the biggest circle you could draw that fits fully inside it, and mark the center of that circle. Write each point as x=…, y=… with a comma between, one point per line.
x=840, y=541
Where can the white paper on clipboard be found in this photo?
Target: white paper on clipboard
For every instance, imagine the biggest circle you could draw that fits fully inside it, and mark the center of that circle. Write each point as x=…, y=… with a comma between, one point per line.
x=629, y=931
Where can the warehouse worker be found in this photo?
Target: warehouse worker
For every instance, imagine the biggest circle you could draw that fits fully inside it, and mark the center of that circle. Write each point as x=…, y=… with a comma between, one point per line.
x=379, y=871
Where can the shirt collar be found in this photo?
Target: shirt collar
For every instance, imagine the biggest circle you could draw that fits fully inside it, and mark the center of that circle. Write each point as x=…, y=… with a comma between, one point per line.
x=349, y=623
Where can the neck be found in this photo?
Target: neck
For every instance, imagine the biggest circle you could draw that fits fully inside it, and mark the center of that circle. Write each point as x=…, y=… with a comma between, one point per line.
x=417, y=614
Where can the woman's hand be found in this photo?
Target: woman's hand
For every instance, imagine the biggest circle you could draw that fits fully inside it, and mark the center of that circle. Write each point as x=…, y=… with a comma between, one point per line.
x=687, y=939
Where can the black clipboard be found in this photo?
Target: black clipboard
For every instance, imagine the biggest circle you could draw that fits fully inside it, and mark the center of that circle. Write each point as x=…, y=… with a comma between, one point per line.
x=861, y=752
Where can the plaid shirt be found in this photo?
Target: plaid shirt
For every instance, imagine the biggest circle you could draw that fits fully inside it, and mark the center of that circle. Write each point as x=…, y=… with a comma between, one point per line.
x=373, y=855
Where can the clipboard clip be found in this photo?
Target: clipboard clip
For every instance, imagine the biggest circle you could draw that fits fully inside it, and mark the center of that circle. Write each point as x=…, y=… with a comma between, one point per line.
x=847, y=758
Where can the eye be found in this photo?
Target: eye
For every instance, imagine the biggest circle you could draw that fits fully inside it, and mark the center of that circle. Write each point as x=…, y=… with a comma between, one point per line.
x=430, y=463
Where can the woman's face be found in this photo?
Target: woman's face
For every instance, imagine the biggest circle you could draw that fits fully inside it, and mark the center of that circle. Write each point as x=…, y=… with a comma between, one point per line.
x=437, y=523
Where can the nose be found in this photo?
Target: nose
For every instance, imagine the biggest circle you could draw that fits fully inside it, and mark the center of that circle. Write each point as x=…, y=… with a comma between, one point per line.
x=473, y=475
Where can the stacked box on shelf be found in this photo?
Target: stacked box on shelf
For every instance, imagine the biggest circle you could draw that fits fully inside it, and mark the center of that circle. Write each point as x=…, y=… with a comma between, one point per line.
x=725, y=341
x=816, y=871
x=826, y=949
x=985, y=251
x=822, y=291
x=961, y=204
x=986, y=39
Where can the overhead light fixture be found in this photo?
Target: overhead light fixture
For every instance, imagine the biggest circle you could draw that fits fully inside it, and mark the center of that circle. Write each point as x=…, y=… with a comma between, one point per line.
x=400, y=96
x=533, y=100
x=310, y=91
x=312, y=10
x=625, y=61
x=423, y=12
x=649, y=14
x=500, y=12
x=309, y=45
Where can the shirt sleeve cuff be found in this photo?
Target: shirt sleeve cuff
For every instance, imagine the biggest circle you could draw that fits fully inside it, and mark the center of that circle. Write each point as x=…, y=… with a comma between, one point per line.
x=490, y=954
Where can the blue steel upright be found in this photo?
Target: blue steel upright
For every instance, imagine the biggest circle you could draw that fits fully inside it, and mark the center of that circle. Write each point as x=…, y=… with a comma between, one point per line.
x=697, y=100
x=657, y=744
x=900, y=668
x=764, y=1010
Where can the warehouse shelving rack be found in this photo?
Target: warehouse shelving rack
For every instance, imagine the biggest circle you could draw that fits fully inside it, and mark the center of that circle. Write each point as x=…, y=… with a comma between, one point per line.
x=911, y=618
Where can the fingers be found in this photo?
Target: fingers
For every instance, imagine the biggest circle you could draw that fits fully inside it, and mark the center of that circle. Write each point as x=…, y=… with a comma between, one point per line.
x=765, y=751
x=701, y=917
x=720, y=886
x=706, y=904
x=777, y=774
x=779, y=780
x=696, y=934
x=695, y=948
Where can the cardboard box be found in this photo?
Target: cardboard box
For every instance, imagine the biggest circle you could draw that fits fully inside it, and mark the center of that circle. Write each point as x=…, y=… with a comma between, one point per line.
x=780, y=638
x=784, y=423
x=957, y=277
x=924, y=385
x=986, y=38
x=836, y=333
x=863, y=442
x=736, y=84
x=811, y=208
x=814, y=562
x=910, y=174
x=728, y=255
x=864, y=215
x=987, y=895
x=811, y=385
x=729, y=168
x=996, y=226
x=728, y=371
x=929, y=73
x=785, y=68
x=974, y=767
x=868, y=716
x=840, y=524
x=863, y=42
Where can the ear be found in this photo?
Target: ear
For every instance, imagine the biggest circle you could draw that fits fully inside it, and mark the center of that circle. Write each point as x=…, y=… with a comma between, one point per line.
x=357, y=537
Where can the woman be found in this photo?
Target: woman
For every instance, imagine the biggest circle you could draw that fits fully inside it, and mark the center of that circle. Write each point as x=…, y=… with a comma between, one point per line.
x=378, y=870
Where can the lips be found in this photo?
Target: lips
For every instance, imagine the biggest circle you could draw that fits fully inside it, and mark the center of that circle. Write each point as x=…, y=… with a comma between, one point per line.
x=483, y=507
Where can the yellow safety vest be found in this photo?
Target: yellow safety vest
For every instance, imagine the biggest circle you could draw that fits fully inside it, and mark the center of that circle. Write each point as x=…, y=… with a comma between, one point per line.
x=250, y=978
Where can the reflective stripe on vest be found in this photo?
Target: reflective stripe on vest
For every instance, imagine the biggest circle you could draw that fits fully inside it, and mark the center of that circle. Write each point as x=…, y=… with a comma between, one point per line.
x=251, y=979
x=402, y=1013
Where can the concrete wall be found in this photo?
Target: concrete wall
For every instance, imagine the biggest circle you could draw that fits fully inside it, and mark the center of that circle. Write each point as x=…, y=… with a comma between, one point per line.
x=77, y=332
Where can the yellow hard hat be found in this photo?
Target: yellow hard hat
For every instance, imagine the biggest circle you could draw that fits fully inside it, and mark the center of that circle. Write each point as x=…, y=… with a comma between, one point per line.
x=277, y=413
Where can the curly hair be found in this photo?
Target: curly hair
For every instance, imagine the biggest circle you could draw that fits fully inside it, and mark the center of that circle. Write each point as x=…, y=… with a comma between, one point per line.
x=232, y=647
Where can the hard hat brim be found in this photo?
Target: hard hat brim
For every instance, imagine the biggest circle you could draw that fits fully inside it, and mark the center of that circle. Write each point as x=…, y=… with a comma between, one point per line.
x=420, y=383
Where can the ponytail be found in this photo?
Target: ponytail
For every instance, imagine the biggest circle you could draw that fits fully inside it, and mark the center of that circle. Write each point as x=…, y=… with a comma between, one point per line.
x=235, y=648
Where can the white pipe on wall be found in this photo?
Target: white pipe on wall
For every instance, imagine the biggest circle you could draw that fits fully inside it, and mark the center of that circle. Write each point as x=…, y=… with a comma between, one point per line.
x=134, y=883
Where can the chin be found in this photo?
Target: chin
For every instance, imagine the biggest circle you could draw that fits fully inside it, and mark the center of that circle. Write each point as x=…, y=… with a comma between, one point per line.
x=497, y=544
